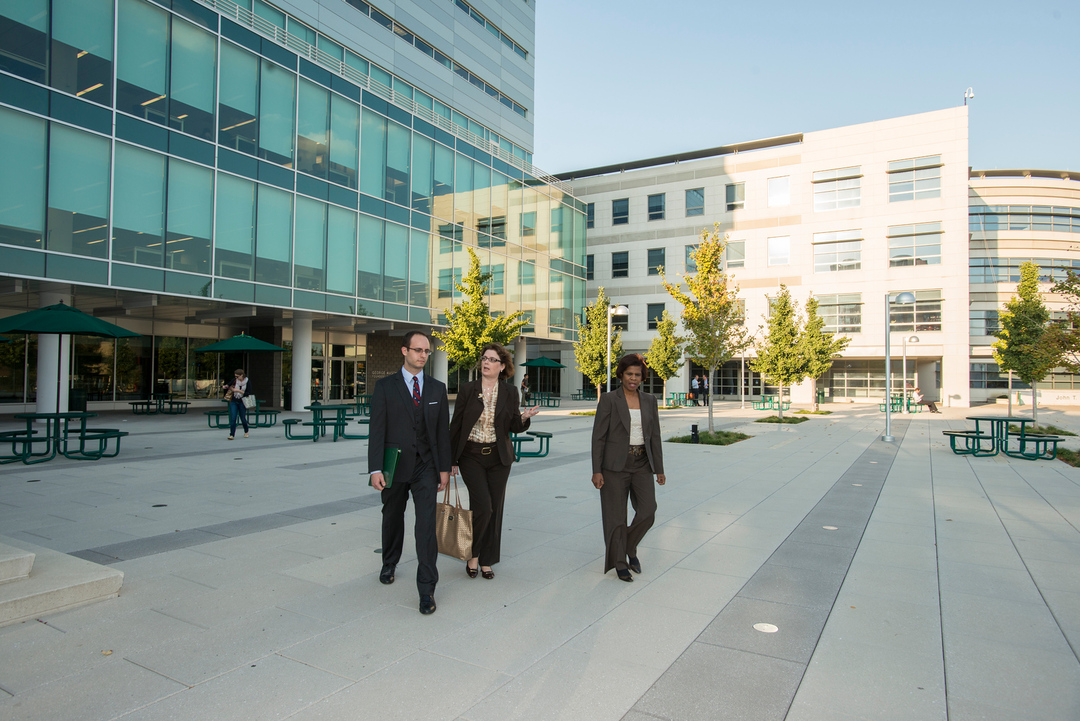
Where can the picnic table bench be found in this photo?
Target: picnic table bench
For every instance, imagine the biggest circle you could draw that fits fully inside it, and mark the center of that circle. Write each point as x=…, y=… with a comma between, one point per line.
x=258, y=417
x=996, y=439
x=583, y=395
x=677, y=399
x=897, y=402
x=770, y=403
x=546, y=399
x=518, y=440
x=159, y=403
x=93, y=444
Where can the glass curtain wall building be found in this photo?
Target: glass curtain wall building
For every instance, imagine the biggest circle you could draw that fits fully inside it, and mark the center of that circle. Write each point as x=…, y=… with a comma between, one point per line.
x=220, y=155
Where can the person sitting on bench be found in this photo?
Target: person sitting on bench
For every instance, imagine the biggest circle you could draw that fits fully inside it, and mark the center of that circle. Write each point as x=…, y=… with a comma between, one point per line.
x=920, y=400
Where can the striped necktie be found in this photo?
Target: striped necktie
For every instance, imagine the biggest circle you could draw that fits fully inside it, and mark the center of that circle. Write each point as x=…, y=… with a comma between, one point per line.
x=415, y=391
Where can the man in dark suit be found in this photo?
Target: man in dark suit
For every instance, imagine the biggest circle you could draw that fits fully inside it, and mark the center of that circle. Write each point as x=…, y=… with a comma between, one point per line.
x=410, y=411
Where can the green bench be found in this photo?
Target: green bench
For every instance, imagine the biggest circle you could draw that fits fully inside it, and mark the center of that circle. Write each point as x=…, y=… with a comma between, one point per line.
x=770, y=403
x=518, y=440
x=26, y=441
x=258, y=417
x=546, y=400
x=583, y=395
x=972, y=443
x=93, y=444
x=677, y=399
x=143, y=408
x=319, y=428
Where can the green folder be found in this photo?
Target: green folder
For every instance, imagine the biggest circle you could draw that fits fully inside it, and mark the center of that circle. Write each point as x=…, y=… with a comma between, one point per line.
x=389, y=465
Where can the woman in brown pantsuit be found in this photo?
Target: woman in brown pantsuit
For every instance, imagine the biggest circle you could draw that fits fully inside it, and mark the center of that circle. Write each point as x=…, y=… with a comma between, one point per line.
x=485, y=414
x=626, y=453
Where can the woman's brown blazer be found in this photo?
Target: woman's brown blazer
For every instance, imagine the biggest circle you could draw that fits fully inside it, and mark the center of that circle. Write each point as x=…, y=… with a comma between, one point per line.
x=467, y=409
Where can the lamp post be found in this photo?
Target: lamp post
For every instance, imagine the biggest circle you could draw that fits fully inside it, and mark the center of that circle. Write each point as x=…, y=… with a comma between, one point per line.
x=907, y=339
x=612, y=310
x=902, y=299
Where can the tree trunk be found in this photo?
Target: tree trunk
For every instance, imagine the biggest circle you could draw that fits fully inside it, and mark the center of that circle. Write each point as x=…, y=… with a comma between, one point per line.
x=1034, y=405
x=813, y=389
x=780, y=402
x=710, y=384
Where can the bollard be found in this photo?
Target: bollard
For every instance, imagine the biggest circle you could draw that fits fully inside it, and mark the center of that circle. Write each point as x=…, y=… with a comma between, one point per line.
x=694, y=434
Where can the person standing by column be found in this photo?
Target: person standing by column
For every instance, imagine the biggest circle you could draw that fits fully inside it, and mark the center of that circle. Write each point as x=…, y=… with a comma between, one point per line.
x=626, y=452
x=411, y=412
x=695, y=389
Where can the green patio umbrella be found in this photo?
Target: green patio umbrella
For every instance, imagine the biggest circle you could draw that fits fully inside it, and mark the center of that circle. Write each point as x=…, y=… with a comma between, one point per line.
x=241, y=344
x=542, y=363
x=61, y=319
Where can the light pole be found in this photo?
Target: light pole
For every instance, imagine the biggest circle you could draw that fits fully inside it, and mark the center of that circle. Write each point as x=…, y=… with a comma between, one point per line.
x=902, y=299
x=612, y=310
x=907, y=339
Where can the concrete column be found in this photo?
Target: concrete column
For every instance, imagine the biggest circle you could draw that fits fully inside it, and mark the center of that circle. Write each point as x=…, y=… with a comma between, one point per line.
x=301, y=361
x=520, y=356
x=440, y=365
x=53, y=357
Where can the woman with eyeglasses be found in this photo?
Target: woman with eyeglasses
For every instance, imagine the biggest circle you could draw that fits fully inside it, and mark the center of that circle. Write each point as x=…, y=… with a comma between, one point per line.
x=485, y=414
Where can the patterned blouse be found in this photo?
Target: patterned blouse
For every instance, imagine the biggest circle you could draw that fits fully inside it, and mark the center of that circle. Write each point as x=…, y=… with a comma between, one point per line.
x=484, y=430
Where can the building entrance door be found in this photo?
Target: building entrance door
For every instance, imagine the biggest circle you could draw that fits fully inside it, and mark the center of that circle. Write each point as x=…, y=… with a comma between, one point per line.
x=342, y=379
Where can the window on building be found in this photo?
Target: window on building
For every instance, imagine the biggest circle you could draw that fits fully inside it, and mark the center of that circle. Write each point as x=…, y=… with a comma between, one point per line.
x=735, y=195
x=836, y=189
x=915, y=179
x=918, y=244
x=620, y=211
x=620, y=264
x=620, y=322
x=735, y=254
x=780, y=250
x=654, y=312
x=992, y=218
x=590, y=215
x=989, y=375
x=836, y=251
x=780, y=191
x=984, y=322
x=691, y=264
x=528, y=223
x=526, y=274
x=922, y=315
x=589, y=267
x=656, y=260
x=656, y=207
x=841, y=313
x=695, y=201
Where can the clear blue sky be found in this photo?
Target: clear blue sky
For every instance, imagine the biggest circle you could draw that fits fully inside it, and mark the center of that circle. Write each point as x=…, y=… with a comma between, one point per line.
x=628, y=79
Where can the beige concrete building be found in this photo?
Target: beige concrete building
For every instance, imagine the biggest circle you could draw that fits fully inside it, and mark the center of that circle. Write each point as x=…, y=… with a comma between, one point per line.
x=852, y=216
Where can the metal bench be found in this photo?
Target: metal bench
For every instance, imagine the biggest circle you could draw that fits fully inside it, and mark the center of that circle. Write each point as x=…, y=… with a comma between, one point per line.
x=93, y=444
x=972, y=443
x=143, y=408
x=1043, y=446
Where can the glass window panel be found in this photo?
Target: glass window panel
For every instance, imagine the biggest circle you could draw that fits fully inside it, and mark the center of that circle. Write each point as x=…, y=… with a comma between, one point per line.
x=779, y=250
x=344, y=140
x=656, y=207
x=238, y=99
x=310, y=267
x=396, y=263
x=189, y=216
x=500, y=188
x=620, y=211
x=735, y=254
x=271, y=14
x=22, y=179
x=328, y=46
x=24, y=25
x=656, y=260
x=142, y=61
x=193, y=71
x=620, y=264
x=779, y=191
x=277, y=88
x=370, y=257
x=78, y=192
x=273, y=236
x=444, y=182
x=234, y=235
x=690, y=262
x=420, y=268
x=463, y=198
x=735, y=194
x=397, y=164
x=313, y=130
x=82, y=48
x=356, y=62
x=139, y=207
x=423, y=175
x=341, y=251
x=695, y=201
x=381, y=76
x=372, y=153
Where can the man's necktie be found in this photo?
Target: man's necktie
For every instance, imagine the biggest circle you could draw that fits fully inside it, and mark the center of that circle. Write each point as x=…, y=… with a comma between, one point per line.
x=415, y=391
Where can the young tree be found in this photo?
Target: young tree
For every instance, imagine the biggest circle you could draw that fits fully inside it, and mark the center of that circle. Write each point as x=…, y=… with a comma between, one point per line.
x=590, y=349
x=818, y=348
x=780, y=357
x=1065, y=336
x=712, y=315
x=665, y=356
x=1023, y=343
x=470, y=324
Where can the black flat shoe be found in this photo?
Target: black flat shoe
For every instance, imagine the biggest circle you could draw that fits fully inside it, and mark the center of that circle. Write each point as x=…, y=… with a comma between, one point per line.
x=427, y=605
x=470, y=571
x=624, y=575
x=634, y=564
x=489, y=574
x=386, y=577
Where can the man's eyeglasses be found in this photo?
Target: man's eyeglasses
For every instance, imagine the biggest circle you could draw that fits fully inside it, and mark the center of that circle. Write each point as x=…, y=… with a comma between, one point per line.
x=490, y=359
x=423, y=351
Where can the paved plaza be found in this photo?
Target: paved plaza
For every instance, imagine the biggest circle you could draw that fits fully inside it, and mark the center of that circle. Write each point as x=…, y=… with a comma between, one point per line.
x=903, y=582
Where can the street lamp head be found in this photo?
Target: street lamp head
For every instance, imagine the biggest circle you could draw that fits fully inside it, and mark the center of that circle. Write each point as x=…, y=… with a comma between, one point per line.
x=904, y=298
x=913, y=339
x=618, y=310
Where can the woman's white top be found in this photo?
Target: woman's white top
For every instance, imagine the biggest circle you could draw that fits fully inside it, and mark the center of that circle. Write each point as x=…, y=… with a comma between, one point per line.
x=637, y=438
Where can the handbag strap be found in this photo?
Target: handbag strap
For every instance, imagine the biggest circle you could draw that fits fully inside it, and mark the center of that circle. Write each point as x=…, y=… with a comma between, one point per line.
x=446, y=494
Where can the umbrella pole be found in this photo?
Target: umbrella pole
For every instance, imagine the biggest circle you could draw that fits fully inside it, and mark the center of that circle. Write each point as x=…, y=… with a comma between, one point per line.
x=59, y=367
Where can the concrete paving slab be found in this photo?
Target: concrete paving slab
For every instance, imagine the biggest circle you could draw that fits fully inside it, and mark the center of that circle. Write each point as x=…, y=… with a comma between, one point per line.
x=798, y=629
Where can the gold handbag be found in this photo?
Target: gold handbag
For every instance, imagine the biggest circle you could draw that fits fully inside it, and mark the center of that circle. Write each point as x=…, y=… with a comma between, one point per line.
x=453, y=526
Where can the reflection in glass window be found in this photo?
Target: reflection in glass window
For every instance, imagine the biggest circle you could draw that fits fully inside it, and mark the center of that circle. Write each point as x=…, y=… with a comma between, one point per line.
x=234, y=234
x=189, y=214
x=82, y=48
x=735, y=195
x=142, y=61
x=620, y=211
x=372, y=153
x=590, y=215
x=341, y=250
x=589, y=267
x=423, y=175
x=273, y=236
x=277, y=114
x=915, y=179
x=238, y=100
x=313, y=130
x=654, y=312
x=369, y=260
x=690, y=261
x=656, y=260
x=984, y=322
x=24, y=28
x=836, y=189
x=620, y=264
x=780, y=250
x=695, y=201
x=735, y=254
x=309, y=270
x=396, y=183
x=922, y=315
x=836, y=251
x=918, y=244
x=656, y=207
x=22, y=179
x=419, y=268
x=841, y=313
x=344, y=140
x=78, y=192
x=396, y=263
x=139, y=207
x=193, y=73
x=779, y=191
x=528, y=224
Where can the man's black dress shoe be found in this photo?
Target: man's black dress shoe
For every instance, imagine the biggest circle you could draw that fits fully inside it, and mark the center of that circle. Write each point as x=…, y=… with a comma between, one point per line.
x=387, y=575
x=427, y=605
x=634, y=564
x=624, y=575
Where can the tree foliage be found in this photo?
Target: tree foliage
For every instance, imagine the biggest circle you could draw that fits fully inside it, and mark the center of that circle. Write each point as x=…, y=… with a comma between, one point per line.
x=712, y=314
x=470, y=324
x=780, y=357
x=817, y=347
x=1023, y=344
x=1065, y=336
x=665, y=356
x=590, y=349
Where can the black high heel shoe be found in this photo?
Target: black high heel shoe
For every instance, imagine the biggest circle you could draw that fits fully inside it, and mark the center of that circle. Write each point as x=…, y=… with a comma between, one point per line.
x=488, y=574
x=471, y=571
x=624, y=575
x=634, y=564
